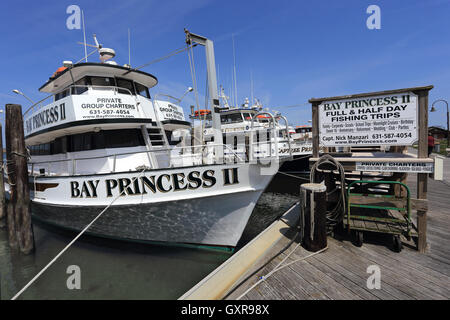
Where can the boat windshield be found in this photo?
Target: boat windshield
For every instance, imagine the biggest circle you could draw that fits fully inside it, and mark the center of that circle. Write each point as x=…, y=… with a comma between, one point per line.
x=102, y=83
x=231, y=118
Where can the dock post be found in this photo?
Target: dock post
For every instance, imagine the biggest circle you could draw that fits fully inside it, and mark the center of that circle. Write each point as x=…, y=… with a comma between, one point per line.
x=313, y=213
x=20, y=230
x=422, y=178
x=2, y=183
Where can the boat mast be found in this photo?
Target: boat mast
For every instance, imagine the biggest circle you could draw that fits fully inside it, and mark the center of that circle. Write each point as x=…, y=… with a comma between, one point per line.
x=212, y=86
x=234, y=70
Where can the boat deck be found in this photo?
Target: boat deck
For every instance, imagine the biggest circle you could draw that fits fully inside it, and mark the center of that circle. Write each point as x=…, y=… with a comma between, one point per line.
x=341, y=271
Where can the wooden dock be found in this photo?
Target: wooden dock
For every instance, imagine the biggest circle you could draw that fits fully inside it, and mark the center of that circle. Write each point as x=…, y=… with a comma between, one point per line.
x=341, y=271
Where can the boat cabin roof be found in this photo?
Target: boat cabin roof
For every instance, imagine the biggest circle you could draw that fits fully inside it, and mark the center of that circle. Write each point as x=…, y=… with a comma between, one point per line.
x=69, y=75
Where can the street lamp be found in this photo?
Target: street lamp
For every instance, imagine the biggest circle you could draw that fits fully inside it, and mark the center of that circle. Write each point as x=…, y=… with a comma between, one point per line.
x=190, y=89
x=22, y=94
x=433, y=109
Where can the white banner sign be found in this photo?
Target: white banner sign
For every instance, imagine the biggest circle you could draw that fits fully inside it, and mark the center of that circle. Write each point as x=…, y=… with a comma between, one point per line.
x=169, y=111
x=378, y=120
x=105, y=107
x=414, y=167
x=81, y=107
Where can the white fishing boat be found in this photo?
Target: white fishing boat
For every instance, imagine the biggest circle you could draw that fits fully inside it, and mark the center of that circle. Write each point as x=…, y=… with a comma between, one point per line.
x=104, y=142
x=294, y=144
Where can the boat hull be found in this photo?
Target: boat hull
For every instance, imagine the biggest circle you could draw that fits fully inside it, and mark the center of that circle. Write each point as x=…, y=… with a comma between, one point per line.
x=214, y=215
x=213, y=221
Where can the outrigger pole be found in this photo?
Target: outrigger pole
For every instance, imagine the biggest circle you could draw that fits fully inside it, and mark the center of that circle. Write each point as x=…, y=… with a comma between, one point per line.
x=212, y=85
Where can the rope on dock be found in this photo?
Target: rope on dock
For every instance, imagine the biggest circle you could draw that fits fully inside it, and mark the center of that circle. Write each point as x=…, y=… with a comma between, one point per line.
x=73, y=241
x=281, y=266
x=335, y=215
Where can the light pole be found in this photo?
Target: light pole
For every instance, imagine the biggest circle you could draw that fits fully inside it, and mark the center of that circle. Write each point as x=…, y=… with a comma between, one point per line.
x=177, y=99
x=448, y=128
x=22, y=94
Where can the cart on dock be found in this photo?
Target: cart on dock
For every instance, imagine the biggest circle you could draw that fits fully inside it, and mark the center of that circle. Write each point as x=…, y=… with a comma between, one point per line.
x=371, y=211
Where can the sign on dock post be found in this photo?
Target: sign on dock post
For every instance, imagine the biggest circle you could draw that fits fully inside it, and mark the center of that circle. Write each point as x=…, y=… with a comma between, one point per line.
x=385, y=118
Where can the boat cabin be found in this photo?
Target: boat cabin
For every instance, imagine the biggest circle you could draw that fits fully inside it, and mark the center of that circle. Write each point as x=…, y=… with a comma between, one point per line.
x=96, y=110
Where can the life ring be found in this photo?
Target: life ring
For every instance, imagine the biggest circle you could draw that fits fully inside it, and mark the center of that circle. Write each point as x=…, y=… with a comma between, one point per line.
x=58, y=71
x=202, y=112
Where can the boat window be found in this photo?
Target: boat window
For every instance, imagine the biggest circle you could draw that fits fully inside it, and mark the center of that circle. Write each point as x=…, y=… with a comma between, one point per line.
x=102, y=81
x=247, y=116
x=142, y=90
x=56, y=146
x=62, y=94
x=80, y=86
x=231, y=118
x=91, y=141
x=126, y=84
x=44, y=149
x=124, y=138
x=80, y=142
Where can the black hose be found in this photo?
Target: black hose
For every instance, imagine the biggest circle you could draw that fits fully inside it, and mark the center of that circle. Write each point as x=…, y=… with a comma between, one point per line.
x=336, y=214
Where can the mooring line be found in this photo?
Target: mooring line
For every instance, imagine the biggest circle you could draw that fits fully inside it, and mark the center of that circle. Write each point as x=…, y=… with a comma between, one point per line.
x=279, y=267
x=71, y=242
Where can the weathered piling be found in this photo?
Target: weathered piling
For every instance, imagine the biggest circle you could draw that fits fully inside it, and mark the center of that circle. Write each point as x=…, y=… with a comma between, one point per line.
x=313, y=206
x=2, y=183
x=20, y=230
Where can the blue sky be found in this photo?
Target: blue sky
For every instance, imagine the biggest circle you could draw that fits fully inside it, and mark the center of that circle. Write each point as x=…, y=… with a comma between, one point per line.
x=294, y=49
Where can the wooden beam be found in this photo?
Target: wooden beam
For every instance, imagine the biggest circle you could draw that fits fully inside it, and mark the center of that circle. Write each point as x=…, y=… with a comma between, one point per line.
x=315, y=129
x=2, y=183
x=422, y=178
x=371, y=94
x=20, y=230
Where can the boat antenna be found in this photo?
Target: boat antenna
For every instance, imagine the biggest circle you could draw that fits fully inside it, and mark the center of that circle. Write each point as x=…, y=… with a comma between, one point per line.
x=129, y=48
x=84, y=37
x=251, y=84
x=234, y=68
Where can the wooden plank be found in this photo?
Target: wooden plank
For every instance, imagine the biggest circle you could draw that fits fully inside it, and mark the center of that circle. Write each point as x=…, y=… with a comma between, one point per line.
x=351, y=277
x=358, y=265
x=355, y=288
x=378, y=201
x=408, y=276
x=322, y=281
x=370, y=94
x=391, y=278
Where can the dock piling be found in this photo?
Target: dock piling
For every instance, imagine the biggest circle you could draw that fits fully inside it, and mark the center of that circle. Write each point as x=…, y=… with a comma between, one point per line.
x=20, y=230
x=313, y=207
x=2, y=183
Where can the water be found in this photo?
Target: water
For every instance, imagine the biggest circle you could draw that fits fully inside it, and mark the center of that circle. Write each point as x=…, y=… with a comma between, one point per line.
x=119, y=270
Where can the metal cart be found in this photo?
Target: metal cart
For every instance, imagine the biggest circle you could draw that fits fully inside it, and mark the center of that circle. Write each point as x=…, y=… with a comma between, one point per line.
x=383, y=213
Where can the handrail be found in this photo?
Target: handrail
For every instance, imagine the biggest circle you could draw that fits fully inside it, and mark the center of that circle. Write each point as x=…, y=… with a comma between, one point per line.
x=255, y=116
x=73, y=167
x=287, y=134
x=136, y=152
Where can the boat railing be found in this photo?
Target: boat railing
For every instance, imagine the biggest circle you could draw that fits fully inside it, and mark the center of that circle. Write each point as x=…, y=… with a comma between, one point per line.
x=38, y=105
x=269, y=152
x=184, y=156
